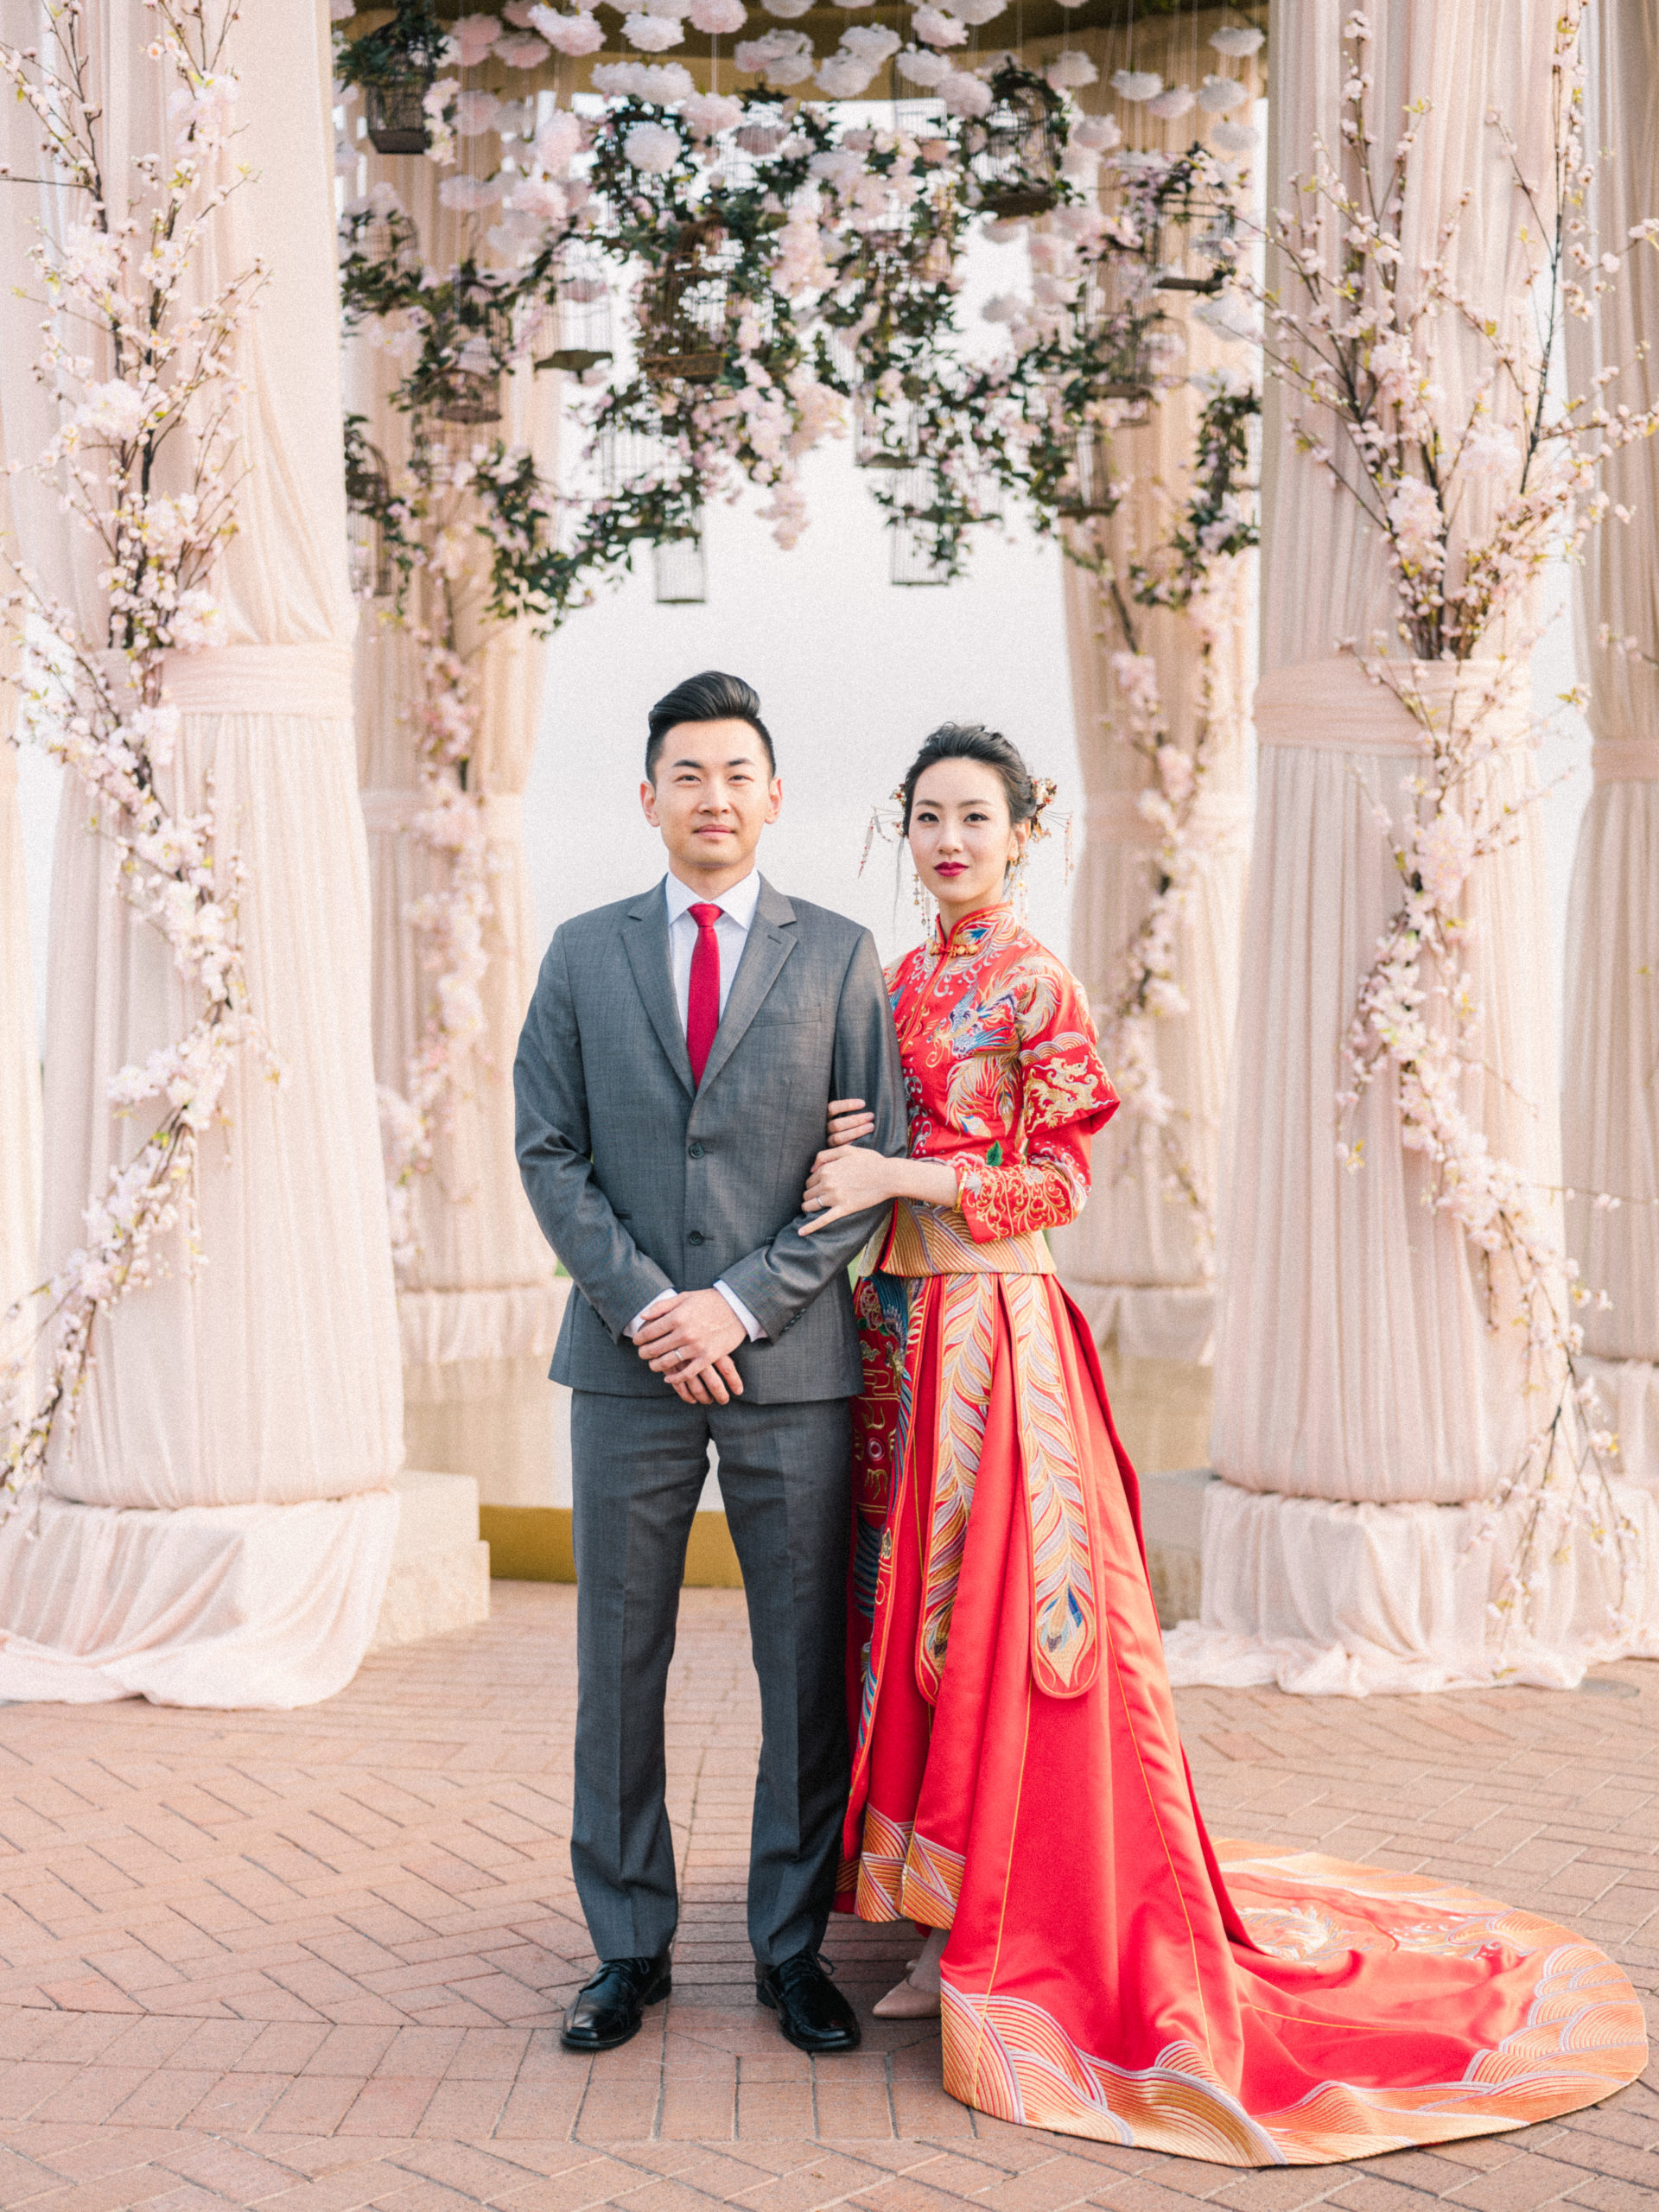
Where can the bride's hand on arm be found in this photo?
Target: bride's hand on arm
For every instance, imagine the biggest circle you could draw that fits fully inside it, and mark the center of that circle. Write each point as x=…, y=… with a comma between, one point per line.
x=847, y=1179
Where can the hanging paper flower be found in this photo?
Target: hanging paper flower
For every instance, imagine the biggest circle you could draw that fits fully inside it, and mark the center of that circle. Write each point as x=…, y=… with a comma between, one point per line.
x=978, y=11
x=469, y=194
x=1166, y=106
x=1137, y=84
x=662, y=83
x=523, y=53
x=936, y=28
x=718, y=17
x=965, y=94
x=921, y=66
x=1067, y=70
x=1234, y=137
x=473, y=35
x=786, y=8
x=1236, y=40
x=843, y=77
x=651, y=147
x=476, y=113
x=558, y=141
x=652, y=34
x=571, y=36
x=783, y=57
x=706, y=113
x=1219, y=95
x=1099, y=133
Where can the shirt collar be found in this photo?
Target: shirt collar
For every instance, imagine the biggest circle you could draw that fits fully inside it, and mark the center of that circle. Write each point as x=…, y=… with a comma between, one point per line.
x=740, y=902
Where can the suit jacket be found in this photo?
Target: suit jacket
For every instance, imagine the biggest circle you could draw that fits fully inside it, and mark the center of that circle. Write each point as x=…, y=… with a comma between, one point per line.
x=644, y=1182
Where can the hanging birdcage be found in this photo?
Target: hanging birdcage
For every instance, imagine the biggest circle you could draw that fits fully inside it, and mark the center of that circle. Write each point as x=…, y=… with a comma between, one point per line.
x=368, y=490
x=886, y=433
x=1015, y=149
x=912, y=532
x=1087, y=488
x=679, y=571
x=1121, y=332
x=1197, y=229
x=394, y=108
x=572, y=328
x=685, y=335
x=625, y=458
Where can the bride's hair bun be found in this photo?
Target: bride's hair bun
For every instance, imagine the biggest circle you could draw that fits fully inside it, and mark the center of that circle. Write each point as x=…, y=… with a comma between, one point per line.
x=1028, y=795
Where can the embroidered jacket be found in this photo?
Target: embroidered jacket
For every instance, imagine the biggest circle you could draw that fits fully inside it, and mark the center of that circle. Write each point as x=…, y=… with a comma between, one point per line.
x=1004, y=1081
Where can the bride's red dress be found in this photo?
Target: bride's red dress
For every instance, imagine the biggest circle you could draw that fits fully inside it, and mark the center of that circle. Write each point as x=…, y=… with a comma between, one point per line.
x=1018, y=1776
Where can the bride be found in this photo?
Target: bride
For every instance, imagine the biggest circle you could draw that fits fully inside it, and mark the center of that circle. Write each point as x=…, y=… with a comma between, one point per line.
x=1018, y=1786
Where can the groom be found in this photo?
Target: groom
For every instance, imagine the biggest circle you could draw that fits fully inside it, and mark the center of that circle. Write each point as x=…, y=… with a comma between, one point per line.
x=673, y=1081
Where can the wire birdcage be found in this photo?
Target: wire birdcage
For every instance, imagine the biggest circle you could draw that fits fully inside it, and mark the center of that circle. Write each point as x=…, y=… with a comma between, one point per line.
x=368, y=490
x=1015, y=149
x=1120, y=330
x=912, y=532
x=395, y=112
x=1197, y=228
x=886, y=434
x=685, y=334
x=572, y=328
x=680, y=571
x=1088, y=488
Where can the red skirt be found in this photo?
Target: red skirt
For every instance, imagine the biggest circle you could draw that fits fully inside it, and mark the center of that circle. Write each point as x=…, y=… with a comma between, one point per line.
x=1018, y=1778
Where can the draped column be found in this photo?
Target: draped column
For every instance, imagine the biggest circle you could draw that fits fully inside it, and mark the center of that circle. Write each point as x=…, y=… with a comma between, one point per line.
x=481, y=1304
x=20, y=1086
x=217, y=1530
x=1609, y=1127
x=1361, y=1404
x=1140, y=1261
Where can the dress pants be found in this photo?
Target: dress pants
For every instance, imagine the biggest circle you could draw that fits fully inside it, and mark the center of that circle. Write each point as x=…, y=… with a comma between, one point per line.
x=638, y=1468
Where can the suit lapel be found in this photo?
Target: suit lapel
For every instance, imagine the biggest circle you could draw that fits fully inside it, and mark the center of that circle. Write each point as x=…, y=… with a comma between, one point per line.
x=644, y=939
x=770, y=941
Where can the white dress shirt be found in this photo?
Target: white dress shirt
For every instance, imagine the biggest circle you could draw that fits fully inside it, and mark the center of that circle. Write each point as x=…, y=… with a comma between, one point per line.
x=737, y=908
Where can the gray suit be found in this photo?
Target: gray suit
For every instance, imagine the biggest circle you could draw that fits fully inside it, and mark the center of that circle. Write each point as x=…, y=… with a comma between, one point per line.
x=643, y=1181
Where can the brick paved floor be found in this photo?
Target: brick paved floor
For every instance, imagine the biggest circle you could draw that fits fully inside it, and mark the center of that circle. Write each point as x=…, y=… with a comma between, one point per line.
x=314, y=1960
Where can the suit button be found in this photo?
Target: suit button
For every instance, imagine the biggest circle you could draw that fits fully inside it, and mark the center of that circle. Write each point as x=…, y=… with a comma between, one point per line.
x=694, y=1236
x=695, y=1151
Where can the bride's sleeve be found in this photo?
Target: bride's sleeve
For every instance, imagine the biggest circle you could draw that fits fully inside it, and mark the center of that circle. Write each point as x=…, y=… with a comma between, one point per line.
x=1067, y=1097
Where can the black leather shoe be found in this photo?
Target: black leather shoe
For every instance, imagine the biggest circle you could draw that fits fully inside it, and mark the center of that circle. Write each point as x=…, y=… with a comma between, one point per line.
x=811, y=2012
x=606, y=2010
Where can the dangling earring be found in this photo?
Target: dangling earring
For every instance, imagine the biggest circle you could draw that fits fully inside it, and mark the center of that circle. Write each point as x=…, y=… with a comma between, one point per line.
x=1018, y=890
x=926, y=904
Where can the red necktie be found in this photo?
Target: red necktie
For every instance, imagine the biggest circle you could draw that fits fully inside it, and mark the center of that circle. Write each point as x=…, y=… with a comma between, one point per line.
x=703, y=999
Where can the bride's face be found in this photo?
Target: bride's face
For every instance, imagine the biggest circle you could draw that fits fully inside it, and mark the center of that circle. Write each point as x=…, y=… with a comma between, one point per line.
x=961, y=838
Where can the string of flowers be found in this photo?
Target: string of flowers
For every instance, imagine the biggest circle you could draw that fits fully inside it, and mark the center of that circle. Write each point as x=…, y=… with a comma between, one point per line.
x=141, y=363
x=450, y=821
x=1193, y=572
x=1469, y=507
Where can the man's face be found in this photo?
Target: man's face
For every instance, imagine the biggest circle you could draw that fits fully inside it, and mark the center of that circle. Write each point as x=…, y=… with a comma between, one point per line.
x=713, y=794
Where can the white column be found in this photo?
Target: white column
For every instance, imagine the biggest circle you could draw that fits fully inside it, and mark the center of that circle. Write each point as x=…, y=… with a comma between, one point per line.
x=1361, y=1404
x=1609, y=1122
x=217, y=1531
x=479, y=1306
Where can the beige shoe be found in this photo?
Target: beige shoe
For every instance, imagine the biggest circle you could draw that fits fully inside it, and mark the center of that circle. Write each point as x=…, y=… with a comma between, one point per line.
x=906, y=2002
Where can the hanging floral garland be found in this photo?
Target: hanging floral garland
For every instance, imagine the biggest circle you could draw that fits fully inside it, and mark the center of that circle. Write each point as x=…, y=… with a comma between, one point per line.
x=124, y=280
x=1469, y=505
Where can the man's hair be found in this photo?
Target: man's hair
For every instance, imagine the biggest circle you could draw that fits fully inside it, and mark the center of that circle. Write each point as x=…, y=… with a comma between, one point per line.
x=711, y=697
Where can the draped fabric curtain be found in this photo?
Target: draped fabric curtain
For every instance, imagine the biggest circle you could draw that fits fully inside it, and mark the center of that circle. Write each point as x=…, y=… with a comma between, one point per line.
x=1361, y=1401
x=1609, y=1122
x=1140, y=1261
x=216, y=1529
x=481, y=1310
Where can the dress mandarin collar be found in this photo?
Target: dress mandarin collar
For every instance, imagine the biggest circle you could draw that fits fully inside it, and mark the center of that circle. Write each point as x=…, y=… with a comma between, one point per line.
x=985, y=925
